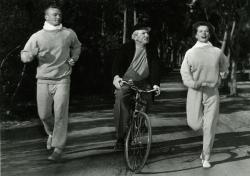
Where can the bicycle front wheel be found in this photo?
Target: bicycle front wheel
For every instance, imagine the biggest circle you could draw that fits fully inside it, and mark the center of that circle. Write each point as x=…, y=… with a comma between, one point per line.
x=138, y=142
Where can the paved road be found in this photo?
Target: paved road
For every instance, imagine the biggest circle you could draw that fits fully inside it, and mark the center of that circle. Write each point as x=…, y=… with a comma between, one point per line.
x=174, y=152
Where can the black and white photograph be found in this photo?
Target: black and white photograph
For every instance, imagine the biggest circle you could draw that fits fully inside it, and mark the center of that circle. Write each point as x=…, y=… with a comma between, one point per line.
x=125, y=87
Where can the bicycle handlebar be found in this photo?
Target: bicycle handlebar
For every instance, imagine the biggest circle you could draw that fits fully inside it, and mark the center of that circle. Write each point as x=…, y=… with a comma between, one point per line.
x=132, y=86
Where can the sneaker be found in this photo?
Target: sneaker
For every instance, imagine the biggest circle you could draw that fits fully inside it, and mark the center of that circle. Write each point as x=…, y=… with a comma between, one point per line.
x=55, y=156
x=49, y=142
x=206, y=164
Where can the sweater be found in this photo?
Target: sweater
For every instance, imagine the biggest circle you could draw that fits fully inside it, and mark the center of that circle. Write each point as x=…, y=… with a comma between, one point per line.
x=53, y=49
x=126, y=55
x=203, y=63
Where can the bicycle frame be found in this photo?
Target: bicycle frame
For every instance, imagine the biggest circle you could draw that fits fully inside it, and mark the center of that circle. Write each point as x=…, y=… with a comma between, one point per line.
x=140, y=103
x=138, y=141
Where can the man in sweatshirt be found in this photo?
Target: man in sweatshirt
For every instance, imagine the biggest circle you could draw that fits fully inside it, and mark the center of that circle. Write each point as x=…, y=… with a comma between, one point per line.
x=57, y=49
x=202, y=69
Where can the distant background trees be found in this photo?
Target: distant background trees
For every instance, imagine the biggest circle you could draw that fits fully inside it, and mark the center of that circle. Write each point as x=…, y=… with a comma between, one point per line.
x=103, y=25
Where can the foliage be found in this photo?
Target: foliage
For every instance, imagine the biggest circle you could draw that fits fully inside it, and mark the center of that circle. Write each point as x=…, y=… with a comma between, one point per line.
x=99, y=26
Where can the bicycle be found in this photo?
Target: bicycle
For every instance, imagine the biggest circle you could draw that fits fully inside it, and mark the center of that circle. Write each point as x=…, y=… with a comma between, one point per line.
x=139, y=136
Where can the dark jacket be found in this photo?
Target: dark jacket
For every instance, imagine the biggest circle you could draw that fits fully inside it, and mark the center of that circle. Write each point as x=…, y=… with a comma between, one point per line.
x=126, y=55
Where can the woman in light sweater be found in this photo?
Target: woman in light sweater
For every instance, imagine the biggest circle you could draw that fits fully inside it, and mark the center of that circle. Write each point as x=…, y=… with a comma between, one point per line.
x=202, y=69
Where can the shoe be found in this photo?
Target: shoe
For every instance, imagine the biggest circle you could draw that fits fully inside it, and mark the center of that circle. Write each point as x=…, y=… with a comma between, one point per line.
x=55, y=156
x=119, y=145
x=49, y=142
x=205, y=164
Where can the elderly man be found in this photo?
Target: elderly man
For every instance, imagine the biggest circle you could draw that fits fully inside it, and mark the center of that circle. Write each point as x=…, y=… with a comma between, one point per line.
x=57, y=49
x=137, y=61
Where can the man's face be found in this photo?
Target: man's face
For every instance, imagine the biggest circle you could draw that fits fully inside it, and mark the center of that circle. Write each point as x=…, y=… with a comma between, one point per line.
x=142, y=36
x=202, y=34
x=53, y=16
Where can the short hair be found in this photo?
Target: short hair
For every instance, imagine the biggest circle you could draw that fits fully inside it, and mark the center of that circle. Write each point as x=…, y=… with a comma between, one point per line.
x=52, y=6
x=195, y=26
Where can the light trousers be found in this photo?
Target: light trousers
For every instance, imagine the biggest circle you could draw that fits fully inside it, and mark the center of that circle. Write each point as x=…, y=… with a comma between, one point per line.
x=203, y=112
x=53, y=106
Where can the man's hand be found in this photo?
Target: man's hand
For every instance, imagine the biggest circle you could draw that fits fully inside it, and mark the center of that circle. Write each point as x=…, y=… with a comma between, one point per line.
x=71, y=62
x=158, y=91
x=117, y=82
x=28, y=56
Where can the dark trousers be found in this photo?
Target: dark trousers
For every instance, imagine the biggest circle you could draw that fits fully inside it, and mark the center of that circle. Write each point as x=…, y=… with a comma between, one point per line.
x=122, y=108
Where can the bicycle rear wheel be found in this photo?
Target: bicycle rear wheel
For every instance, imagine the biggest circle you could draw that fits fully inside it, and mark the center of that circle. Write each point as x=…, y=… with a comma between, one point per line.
x=138, y=142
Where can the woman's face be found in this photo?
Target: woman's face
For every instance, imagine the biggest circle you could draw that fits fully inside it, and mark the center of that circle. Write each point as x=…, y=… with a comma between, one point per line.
x=202, y=34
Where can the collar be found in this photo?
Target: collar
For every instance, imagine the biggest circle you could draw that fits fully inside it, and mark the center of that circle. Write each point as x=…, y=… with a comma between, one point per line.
x=201, y=44
x=50, y=27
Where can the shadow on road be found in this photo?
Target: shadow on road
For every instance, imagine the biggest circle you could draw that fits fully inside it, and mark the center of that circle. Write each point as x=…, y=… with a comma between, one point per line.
x=228, y=145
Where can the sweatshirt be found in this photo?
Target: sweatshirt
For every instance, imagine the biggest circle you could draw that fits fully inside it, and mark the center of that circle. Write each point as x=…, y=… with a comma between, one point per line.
x=203, y=63
x=53, y=49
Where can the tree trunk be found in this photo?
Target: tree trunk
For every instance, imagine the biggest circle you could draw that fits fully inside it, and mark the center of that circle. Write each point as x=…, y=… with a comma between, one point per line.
x=233, y=80
x=124, y=25
x=225, y=83
x=224, y=41
x=135, y=16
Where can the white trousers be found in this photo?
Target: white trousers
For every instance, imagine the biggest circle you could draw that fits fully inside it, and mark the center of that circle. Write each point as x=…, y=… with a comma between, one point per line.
x=203, y=112
x=53, y=105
